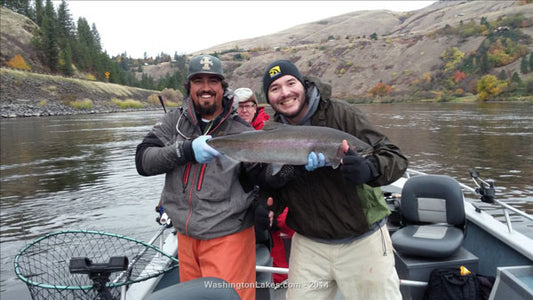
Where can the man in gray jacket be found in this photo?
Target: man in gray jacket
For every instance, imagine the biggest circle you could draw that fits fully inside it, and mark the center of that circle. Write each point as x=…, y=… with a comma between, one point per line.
x=207, y=196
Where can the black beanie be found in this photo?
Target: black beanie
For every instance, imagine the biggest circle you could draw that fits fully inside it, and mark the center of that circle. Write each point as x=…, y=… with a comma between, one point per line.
x=276, y=70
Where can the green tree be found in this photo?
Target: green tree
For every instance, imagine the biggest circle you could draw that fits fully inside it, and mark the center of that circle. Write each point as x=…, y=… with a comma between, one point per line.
x=85, y=49
x=484, y=65
x=39, y=12
x=65, y=25
x=531, y=62
x=19, y=6
x=524, y=68
x=147, y=82
x=374, y=36
x=65, y=62
x=96, y=38
x=484, y=22
x=49, y=42
x=516, y=78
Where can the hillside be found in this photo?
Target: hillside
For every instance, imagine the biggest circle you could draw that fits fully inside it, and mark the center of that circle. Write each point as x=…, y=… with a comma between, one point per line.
x=27, y=94
x=354, y=52
x=16, y=35
x=340, y=50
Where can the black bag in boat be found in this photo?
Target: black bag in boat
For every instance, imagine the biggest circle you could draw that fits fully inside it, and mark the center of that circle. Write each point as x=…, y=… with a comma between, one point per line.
x=449, y=284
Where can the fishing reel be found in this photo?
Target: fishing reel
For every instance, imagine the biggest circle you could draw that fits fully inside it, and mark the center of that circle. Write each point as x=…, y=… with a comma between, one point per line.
x=162, y=218
x=484, y=188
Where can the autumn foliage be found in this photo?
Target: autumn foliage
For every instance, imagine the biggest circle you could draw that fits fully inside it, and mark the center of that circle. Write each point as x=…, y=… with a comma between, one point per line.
x=489, y=86
x=459, y=76
x=381, y=89
x=18, y=62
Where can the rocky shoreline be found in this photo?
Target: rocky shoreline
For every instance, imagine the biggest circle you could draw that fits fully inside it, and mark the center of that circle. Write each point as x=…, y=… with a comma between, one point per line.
x=26, y=94
x=25, y=110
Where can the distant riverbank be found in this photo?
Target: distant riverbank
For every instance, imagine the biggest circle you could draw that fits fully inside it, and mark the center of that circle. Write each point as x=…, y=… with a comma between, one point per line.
x=26, y=94
x=24, y=109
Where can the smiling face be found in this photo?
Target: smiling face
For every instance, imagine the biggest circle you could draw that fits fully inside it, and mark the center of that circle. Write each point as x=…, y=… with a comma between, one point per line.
x=247, y=110
x=206, y=93
x=287, y=97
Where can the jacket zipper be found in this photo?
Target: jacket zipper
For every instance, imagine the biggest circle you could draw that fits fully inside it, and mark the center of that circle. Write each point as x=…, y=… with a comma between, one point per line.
x=185, y=179
x=202, y=171
x=200, y=177
x=190, y=204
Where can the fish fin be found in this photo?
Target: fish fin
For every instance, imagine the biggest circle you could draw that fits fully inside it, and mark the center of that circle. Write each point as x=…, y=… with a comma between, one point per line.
x=271, y=125
x=336, y=161
x=276, y=168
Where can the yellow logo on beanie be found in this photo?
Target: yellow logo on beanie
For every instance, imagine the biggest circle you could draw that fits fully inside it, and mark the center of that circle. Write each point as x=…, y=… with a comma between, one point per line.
x=274, y=71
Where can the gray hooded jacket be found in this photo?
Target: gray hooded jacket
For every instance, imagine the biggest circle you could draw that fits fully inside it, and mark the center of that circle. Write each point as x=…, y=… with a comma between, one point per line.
x=204, y=201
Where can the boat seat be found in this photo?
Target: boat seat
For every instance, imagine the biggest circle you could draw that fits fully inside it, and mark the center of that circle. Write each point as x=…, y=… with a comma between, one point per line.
x=263, y=258
x=433, y=217
x=196, y=290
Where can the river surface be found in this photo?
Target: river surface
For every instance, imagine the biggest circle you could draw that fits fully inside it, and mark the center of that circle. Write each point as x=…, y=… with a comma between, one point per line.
x=78, y=172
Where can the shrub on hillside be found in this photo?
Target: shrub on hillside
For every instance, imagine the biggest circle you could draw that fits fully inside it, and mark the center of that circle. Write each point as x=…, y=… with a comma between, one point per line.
x=171, y=95
x=489, y=86
x=81, y=104
x=18, y=62
x=128, y=103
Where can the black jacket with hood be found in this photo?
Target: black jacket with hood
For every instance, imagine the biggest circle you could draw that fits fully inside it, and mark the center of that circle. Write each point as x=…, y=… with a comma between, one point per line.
x=321, y=203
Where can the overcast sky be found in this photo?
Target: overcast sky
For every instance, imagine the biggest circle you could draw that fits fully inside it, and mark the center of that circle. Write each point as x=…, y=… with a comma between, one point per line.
x=153, y=27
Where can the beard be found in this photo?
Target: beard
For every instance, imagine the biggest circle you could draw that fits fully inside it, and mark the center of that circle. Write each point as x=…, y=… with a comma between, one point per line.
x=294, y=114
x=206, y=109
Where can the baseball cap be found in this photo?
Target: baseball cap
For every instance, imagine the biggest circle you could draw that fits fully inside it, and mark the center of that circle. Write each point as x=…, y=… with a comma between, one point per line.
x=205, y=64
x=245, y=94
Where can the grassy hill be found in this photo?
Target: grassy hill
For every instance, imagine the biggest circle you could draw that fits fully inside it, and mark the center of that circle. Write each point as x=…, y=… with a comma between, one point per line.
x=408, y=45
x=411, y=54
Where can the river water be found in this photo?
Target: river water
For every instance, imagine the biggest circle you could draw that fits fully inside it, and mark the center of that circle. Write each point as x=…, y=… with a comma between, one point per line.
x=78, y=172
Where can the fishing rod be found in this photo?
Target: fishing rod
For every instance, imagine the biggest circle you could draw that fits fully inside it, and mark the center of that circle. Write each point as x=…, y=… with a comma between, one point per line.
x=162, y=103
x=277, y=270
x=486, y=189
x=127, y=272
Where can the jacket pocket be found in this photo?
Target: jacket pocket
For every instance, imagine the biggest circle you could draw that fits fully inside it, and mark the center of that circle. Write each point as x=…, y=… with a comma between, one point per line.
x=215, y=179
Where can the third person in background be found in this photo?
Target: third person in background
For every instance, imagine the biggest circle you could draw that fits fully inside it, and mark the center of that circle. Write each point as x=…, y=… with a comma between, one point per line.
x=249, y=110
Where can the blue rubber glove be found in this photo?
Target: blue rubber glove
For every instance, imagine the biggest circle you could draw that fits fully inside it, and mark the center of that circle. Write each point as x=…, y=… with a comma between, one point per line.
x=315, y=161
x=203, y=153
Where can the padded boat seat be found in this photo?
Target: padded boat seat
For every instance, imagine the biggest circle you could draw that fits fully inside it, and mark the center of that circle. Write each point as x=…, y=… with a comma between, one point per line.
x=433, y=215
x=197, y=290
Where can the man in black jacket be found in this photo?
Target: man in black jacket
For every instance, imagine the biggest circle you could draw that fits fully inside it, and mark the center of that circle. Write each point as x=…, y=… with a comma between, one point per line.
x=339, y=215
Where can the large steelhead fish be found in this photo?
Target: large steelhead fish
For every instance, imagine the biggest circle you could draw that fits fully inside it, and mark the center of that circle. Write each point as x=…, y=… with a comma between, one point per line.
x=288, y=145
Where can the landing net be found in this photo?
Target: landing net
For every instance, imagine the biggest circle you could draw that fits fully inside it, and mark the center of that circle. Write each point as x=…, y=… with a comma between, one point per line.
x=44, y=264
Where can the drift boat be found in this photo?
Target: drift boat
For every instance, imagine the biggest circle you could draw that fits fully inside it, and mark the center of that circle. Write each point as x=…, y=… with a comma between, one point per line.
x=428, y=229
